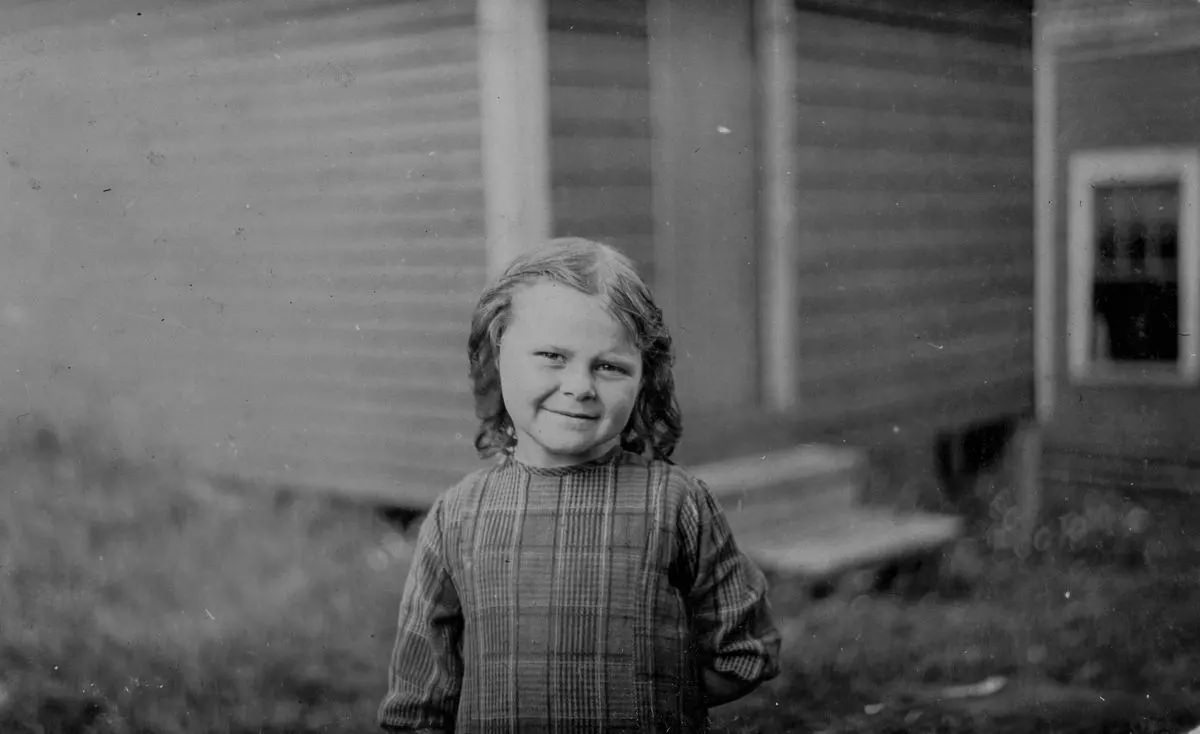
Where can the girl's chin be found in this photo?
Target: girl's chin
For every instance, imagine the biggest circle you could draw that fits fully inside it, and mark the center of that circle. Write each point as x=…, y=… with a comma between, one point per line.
x=562, y=453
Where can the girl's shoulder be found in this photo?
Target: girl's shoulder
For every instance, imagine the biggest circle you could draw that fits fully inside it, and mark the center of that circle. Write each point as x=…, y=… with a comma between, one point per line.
x=674, y=480
x=452, y=500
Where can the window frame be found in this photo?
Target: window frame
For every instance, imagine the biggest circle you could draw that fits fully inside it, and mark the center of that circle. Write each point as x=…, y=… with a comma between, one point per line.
x=1089, y=169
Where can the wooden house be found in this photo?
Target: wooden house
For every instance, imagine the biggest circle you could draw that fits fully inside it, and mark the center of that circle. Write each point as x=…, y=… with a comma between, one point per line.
x=253, y=233
x=1118, y=242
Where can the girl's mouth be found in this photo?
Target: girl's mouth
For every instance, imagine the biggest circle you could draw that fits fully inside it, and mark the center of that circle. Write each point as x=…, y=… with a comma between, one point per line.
x=577, y=416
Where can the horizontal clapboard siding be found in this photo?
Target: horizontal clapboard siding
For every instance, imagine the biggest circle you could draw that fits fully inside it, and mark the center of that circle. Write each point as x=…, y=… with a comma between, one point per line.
x=1118, y=27
x=1064, y=472
x=256, y=227
x=600, y=131
x=913, y=166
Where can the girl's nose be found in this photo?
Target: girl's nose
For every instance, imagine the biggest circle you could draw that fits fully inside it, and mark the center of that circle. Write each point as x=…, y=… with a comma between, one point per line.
x=579, y=384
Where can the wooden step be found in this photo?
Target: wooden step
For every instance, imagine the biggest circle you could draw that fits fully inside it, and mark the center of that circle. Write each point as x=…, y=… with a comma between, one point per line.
x=803, y=481
x=825, y=545
x=797, y=512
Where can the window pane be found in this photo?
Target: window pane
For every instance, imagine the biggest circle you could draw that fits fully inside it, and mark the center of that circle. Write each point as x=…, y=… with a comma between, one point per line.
x=1135, y=295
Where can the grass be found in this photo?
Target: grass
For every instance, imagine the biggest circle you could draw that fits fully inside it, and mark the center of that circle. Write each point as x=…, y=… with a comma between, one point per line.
x=139, y=599
x=143, y=601
x=1093, y=630
x=1083, y=649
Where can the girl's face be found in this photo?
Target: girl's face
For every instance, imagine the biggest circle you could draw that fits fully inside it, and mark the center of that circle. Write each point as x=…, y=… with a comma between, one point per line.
x=569, y=375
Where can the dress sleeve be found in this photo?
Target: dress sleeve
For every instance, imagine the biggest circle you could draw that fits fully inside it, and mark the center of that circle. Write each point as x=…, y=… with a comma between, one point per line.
x=425, y=673
x=732, y=623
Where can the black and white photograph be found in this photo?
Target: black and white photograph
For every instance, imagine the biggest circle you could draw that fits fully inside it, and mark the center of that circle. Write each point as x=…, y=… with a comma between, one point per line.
x=605, y=366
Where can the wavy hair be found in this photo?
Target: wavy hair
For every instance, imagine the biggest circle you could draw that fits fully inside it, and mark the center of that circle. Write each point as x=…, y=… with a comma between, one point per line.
x=594, y=269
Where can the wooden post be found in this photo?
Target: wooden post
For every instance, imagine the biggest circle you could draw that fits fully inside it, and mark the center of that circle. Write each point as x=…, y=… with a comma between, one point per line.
x=778, y=320
x=514, y=103
x=1046, y=287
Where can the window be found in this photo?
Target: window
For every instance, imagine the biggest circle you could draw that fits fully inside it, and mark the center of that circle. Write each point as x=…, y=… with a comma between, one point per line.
x=1133, y=265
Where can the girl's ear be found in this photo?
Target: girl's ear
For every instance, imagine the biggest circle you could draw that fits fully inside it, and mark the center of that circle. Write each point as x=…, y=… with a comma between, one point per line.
x=496, y=355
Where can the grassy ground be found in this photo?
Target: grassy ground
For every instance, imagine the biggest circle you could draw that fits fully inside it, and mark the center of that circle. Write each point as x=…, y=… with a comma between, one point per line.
x=1093, y=629
x=145, y=602
x=139, y=600
x=1077, y=649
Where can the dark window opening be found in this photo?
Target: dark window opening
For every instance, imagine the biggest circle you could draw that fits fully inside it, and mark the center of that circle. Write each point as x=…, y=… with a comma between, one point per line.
x=1135, y=292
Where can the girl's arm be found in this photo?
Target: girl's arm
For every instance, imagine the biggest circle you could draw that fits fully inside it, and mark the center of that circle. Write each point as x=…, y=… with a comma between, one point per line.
x=425, y=673
x=727, y=599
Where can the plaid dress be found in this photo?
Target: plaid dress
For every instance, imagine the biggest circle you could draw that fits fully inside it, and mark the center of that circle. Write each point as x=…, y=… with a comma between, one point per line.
x=587, y=598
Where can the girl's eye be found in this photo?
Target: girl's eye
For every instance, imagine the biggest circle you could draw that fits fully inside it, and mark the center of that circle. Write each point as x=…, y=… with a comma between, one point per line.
x=609, y=367
x=552, y=356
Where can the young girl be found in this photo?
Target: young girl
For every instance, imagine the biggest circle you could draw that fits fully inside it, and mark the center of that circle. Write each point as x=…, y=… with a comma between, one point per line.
x=584, y=582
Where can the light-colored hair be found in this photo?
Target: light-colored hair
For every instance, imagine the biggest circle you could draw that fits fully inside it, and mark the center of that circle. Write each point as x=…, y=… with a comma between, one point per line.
x=594, y=269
